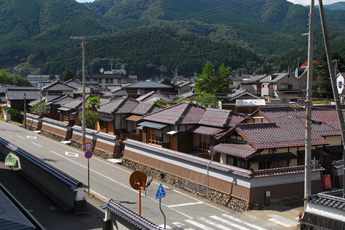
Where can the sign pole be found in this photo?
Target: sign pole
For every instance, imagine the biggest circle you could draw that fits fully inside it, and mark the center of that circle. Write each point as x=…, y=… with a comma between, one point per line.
x=160, y=207
x=88, y=176
x=139, y=201
x=88, y=155
x=160, y=194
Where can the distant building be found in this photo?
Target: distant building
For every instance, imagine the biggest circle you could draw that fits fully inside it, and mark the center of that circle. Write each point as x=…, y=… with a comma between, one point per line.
x=104, y=78
x=43, y=79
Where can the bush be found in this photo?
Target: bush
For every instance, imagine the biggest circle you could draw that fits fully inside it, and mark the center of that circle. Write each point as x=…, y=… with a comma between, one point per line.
x=16, y=115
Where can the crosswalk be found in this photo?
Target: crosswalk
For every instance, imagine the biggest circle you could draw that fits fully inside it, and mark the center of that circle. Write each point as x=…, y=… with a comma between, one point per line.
x=225, y=222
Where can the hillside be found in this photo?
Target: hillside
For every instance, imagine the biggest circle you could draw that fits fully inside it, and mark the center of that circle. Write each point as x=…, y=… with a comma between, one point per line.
x=336, y=6
x=266, y=31
x=43, y=27
x=154, y=51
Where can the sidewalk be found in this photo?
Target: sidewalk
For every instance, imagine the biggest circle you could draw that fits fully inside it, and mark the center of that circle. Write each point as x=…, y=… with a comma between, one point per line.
x=50, y=215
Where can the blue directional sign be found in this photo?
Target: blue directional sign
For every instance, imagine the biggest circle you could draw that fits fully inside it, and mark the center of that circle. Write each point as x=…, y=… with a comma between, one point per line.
x=160, y=192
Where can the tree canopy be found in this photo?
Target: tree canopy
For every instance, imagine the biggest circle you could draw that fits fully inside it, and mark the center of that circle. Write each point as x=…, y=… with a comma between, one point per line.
x=212, y=82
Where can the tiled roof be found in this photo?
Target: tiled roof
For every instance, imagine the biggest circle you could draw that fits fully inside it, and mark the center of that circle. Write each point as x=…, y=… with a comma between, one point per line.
x=148, y=85
x=128, y=106
x=120, y=105
x=220, y=118
x=145, y=108
x=73, y=83
x=273, y=77
x=332, y=199
x=152, y=97
x=111, y=106
x=74, y=104
x=58, y=86
x=283, y=171
x=235, y=149
x=272, y=135
x=204, y=130
x=287, y=127
x=19, y=95
x=182, y=113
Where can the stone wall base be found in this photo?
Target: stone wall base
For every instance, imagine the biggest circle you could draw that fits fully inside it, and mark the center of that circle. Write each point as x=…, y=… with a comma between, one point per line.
x=52, y=136
x=190, y=186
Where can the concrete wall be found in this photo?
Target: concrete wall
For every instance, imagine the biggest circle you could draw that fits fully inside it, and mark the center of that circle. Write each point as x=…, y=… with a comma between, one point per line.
x=44, y=178
x=56, y=129
x=105, y=145
x=33, y=122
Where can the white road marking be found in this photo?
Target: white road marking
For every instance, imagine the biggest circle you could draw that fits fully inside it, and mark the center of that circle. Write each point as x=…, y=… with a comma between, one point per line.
x=178, y=224
x=31, y=137
x=185, y=204
x=36, y=144
x=71, y=154
x=154, y=200
x=215, y=224
x=20, y=137
x=241, y=221
x=280, y=223
x=200, y=226
x=116, y=161
x=282, y=220
x=228, y=222
x=199, y=201
x=162, y=226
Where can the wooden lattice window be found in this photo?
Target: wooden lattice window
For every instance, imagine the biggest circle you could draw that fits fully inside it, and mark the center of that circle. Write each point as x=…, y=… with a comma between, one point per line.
x=154, y=137
x=202, y=142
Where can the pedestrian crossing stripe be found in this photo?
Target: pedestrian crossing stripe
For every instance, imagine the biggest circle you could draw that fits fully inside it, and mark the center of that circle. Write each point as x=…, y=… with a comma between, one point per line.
x=160, y=192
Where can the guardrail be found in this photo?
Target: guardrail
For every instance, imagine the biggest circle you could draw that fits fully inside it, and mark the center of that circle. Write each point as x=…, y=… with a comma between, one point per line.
x=62, y=188
x=126, y=217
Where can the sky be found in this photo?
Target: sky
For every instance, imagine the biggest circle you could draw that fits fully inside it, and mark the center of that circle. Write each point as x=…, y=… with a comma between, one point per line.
x=302, y=2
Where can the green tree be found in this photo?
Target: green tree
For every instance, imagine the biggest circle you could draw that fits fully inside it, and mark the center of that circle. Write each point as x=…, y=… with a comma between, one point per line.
x=207, y=100
x=213, y=82
x=162, y=102
x=67, y=75
x=324, y=82
x=20, y=81
x=40, y=108
x=91, y=119
x=92, y=103
x=16, y=115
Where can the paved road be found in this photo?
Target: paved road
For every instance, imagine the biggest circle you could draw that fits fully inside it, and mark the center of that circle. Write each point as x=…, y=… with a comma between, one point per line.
x=110, y=180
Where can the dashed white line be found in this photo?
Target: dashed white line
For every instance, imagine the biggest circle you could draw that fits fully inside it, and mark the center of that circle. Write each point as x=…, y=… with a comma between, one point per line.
x=36, y=144
x=118, y=182
x=185, y=204
x=20, y=137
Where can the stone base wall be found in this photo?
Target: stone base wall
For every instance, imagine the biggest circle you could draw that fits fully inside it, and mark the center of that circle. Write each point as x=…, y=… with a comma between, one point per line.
x=52, y=135
x=200, y=190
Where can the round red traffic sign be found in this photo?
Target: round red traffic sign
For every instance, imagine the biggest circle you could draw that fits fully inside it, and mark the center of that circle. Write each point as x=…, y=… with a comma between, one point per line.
x=88, y=154
x=88, y=146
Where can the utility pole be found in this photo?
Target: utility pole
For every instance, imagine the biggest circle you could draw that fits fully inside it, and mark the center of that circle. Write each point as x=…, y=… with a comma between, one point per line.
x=334, y=85
x=82, y=44
x=307, y=156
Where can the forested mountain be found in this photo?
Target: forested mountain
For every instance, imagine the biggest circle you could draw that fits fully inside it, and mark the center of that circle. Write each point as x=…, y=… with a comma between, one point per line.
x=251, y=35
x=336, y=6
x=155, y=50
x=43, y=27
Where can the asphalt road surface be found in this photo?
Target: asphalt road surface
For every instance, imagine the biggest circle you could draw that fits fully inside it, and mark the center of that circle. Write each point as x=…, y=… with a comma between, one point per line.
x=183, y=210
